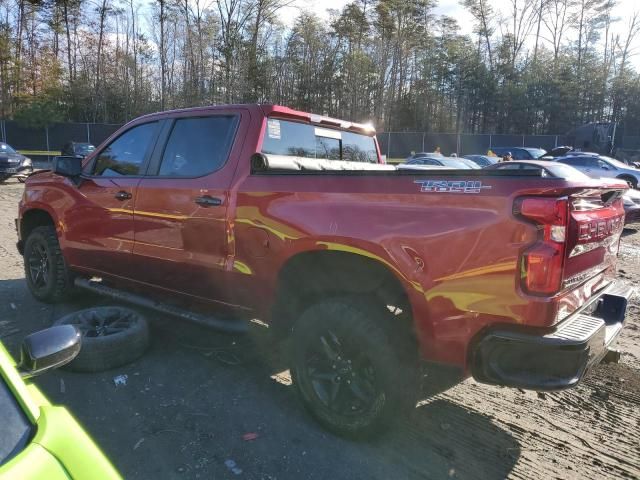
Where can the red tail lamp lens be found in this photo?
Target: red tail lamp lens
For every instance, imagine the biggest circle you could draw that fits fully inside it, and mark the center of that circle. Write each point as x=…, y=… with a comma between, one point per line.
x=542, y=265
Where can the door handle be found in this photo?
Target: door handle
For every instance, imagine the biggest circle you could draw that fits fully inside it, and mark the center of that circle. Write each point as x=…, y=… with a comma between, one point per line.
x=208, y=201
x=122, y=195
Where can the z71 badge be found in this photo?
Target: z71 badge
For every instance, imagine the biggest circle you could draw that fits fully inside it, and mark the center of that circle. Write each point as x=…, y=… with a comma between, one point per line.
x=456, y=186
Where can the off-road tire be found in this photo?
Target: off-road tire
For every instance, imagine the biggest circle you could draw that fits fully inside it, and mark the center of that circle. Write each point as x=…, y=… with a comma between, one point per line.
x=370, y=332
x=58, y=282
x=104, y=351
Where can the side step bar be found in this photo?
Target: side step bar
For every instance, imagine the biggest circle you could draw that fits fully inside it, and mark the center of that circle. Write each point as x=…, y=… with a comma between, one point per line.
x=226, y=326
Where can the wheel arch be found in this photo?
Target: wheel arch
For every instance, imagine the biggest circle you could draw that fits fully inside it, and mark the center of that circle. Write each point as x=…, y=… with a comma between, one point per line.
x=33, y=218
x=309, y=275
x=628, y=178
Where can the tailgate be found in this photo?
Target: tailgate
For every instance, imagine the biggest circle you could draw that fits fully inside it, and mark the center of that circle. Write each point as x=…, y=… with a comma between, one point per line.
x=578, y=238
x=596, y=221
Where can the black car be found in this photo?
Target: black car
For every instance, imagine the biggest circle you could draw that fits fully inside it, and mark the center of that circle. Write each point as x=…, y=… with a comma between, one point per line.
x=13, y=164
x=77, y=149
x=520, y=153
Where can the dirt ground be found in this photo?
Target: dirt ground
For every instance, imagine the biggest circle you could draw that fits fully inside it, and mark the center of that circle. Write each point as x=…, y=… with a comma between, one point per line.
x=188, y=402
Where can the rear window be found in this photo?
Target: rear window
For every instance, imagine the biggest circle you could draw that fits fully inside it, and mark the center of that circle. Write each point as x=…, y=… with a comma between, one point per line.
x=283, y=137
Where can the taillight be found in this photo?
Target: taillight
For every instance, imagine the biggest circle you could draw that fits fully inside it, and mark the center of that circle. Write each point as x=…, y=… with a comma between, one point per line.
x=542, y=265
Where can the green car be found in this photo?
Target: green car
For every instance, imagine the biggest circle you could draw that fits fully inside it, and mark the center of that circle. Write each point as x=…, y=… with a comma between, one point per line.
x=37, y=439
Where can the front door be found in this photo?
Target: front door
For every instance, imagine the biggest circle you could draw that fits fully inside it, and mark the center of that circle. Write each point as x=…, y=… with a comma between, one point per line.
x=99, y=229
x=180, y=216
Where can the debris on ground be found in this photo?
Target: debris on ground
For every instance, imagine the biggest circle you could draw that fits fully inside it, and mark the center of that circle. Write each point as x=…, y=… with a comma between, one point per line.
x=233, y=466
x=120, y=380
x=138, y=443
x=63, y=388
x=247, y=437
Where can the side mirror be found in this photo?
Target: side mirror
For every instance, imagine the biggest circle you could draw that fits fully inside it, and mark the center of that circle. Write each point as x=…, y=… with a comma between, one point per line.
x=604, y=167
x=67, y=166
x=49, y=348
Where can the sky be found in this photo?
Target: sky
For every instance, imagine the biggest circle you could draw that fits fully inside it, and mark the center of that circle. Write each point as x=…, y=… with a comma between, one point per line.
x=453, y=9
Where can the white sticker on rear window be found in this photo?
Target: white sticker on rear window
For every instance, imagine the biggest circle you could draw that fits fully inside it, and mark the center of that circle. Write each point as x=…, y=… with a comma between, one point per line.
x=326, y=133
x=273, y=128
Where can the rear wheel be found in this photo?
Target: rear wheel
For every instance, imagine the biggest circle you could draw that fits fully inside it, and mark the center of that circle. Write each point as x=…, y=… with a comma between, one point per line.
x=47, y=275
x=349, y=372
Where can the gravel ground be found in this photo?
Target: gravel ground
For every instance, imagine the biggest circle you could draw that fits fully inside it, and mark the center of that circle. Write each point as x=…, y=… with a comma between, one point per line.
x=189, y=401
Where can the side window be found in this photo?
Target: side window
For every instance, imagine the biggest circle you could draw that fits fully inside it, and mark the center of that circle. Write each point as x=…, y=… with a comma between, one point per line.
x=604, y=165
x=430, y=161
x=520, y=154
x=574, y=161
x=198, y=146
x=509, y=166
x=126, y=154
x=590, y=162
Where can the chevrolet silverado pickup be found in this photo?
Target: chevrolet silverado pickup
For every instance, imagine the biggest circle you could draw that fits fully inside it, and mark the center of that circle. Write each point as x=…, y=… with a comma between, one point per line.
x=221, y=215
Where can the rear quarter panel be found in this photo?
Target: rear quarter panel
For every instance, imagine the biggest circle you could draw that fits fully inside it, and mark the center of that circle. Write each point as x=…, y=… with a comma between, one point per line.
x=456, y=254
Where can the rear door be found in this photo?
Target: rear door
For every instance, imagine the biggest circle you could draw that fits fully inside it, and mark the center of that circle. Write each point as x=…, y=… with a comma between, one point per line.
x=99, y=228
x=181, y=230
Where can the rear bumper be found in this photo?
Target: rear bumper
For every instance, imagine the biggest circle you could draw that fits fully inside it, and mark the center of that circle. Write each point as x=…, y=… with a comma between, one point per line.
x=551, y=360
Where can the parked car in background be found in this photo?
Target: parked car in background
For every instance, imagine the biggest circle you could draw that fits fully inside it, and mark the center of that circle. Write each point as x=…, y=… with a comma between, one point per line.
x=520, y=153
x=482, y=160
x=547, y=169
x=631, y=198
x=13, y=164
x=631, y=204
x=559, y=151
x=37, y=440
x=439, y=160
x=77, y=149
x=598, y=166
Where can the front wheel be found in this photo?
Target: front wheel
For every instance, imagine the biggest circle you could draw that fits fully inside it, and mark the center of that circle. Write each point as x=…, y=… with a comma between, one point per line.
x=348, y=372
x=46, y=272
x=633, y=182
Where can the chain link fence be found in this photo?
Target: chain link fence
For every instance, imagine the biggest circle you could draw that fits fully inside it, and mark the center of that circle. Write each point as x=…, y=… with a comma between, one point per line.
x=403, y=144
x=395, y=145
x=47, y=141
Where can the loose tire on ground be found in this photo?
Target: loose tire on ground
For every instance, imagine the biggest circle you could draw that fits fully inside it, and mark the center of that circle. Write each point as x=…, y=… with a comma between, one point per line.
x=111, y=337
x=47, y=275
x=345, y=345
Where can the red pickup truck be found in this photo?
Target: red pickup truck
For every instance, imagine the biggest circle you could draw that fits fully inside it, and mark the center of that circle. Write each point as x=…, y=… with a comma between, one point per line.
x=230, y=213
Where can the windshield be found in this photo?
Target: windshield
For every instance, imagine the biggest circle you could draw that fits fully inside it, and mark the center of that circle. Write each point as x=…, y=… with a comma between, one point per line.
x=561, y=170
x=615, y=163
x=284, y=137
x=4, y=148
x=536, y=152
x=456, y=163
